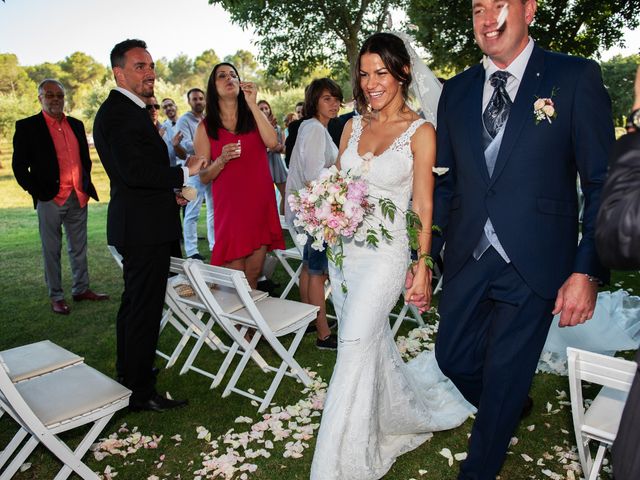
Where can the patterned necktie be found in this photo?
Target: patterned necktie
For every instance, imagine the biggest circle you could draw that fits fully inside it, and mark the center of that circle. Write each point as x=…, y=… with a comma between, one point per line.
x=497, y=111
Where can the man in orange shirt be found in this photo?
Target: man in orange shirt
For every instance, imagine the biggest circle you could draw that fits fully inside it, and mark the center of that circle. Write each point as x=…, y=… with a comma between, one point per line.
x=51, y=162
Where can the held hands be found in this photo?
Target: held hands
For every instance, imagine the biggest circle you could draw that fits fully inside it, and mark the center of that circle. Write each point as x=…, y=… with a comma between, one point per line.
x=418, y=287
x=250, y=90
x=576, y=300
x=195, y=164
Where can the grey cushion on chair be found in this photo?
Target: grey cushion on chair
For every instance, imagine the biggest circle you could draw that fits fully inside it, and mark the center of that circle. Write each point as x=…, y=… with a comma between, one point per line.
x=36, y=359
x=280, y=314
x=69, y=393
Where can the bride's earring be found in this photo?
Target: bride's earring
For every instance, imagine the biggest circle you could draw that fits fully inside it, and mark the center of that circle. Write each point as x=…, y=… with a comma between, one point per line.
x=369, y=109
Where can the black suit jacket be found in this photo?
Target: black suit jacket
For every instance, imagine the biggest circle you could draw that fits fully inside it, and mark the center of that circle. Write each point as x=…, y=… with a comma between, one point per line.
x=143, y=208
x=35, y=163
x=618, y=223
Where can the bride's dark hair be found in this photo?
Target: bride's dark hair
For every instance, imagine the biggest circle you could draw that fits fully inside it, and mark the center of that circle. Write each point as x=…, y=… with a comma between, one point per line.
x=395, y=57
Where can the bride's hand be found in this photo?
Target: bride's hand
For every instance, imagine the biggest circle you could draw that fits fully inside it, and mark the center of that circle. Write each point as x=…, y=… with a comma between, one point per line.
x=418, y=286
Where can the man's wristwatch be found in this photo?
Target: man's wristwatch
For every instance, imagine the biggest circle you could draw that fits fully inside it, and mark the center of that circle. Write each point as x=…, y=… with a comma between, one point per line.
x=593, y=279
x=633, y=121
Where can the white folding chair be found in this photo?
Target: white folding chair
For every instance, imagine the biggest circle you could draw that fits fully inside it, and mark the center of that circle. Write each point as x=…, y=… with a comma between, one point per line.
x=600, y=421
x=271, y=318
x=191, y=310
x=293, y=253
x=55, y=402
x=35, y=359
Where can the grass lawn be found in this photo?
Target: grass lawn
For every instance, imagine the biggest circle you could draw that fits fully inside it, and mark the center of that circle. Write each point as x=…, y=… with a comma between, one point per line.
x=90, y=331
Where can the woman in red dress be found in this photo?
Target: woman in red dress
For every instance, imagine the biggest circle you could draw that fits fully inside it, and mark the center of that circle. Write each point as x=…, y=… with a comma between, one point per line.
x=234, y=137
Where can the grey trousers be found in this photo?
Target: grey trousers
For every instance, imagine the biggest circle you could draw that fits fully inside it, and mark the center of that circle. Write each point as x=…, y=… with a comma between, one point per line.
x=51, y=217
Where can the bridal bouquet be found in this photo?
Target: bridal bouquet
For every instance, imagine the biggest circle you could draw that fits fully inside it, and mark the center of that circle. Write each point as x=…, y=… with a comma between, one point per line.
x=337, y=205
x=331, y=207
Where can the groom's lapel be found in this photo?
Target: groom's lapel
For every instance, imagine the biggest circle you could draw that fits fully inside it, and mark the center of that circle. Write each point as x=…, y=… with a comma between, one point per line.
x=522, y=108
x=474, y=124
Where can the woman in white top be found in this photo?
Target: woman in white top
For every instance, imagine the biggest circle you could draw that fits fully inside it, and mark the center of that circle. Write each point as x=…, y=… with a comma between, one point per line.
x=314, y=150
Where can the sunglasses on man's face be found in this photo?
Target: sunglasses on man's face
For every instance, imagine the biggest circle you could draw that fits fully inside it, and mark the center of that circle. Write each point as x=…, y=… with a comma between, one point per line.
x=154, y=106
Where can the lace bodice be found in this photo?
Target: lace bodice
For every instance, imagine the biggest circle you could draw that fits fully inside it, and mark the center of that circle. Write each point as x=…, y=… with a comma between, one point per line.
x=390, y=174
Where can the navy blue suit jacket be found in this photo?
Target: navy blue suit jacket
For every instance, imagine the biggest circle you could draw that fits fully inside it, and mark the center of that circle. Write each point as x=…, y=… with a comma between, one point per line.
x=531, y=197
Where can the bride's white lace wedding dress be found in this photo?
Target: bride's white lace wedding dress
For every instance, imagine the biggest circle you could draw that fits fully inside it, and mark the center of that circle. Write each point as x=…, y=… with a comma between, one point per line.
x=377, y=406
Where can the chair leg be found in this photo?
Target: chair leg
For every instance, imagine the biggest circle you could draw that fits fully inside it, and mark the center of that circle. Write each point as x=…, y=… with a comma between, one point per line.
x=196, y=349
x=584, y=454
x=243, y=361
x=289, y=363
x=293, y=281
x=19, y=459
x=12, y=446
x=595, y=468
x=180, y=346
x=81, y=450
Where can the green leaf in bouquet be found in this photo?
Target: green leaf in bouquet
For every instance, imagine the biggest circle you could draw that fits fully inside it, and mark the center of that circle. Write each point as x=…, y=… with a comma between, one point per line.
x=436, y=229
x=386, y=234
x=412, y=233
x=372, y=237
x=413, y=220
x=343, y=286
x=388, y=208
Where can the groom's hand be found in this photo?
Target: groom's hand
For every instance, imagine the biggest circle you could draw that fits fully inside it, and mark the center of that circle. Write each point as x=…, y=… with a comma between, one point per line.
x=576, y=300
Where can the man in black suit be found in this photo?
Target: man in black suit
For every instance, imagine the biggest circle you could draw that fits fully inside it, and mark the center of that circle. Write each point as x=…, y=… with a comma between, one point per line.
x=51, y=162
x=142, y=221
x=618, y=243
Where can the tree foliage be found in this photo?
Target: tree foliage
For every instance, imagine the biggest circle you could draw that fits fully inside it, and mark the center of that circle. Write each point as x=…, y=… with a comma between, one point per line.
x=619, y=74
x=578, y=27
x=296, y=36
x=13, y=78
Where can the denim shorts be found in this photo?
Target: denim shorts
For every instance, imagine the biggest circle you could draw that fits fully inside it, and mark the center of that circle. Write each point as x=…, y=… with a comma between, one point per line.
x=315, y=260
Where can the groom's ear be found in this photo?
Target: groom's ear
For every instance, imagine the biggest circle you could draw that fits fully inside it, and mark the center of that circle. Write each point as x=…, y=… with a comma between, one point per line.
x=530, y=8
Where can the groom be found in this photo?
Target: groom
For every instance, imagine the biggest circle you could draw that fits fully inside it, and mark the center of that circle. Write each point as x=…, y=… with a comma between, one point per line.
x=514, y=131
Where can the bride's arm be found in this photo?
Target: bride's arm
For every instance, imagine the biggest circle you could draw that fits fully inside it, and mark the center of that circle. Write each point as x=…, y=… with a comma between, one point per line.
x=344, y=140
x=423, y=146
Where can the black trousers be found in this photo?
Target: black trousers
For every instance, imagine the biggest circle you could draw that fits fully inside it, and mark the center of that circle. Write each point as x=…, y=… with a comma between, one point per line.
x=145, y=271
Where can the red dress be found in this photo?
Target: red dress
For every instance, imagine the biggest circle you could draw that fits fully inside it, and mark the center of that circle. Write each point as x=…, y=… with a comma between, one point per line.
x=245, y=214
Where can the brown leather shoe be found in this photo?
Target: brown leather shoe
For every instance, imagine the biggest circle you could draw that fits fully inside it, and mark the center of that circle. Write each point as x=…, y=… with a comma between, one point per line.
x=60, y=306
x=90, y=295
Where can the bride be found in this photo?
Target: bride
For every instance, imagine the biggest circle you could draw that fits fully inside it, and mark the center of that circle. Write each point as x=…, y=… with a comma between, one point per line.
x=378, y=407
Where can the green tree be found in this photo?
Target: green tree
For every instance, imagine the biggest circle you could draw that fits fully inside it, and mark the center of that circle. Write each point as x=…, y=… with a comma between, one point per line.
x=13, y=78
x=579, y=27
x=13, y=107
x=294, y=37
x=619, y=74
x=204, y=63
x=80, y=70
x=37, y=73
x=180, y=69
x=162, y=68
x=246, y=64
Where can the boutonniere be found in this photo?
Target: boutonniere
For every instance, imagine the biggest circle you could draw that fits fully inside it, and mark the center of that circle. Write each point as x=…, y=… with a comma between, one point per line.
x=545, y=109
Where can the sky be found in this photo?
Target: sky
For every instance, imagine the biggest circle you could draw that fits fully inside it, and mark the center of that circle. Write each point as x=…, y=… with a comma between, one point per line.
x=40, y=31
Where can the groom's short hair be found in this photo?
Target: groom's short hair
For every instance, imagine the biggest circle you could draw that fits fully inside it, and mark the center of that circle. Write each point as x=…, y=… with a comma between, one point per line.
x=120, y=50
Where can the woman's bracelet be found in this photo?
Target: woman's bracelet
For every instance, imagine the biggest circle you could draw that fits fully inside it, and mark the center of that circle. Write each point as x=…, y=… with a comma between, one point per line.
x=220, y=162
